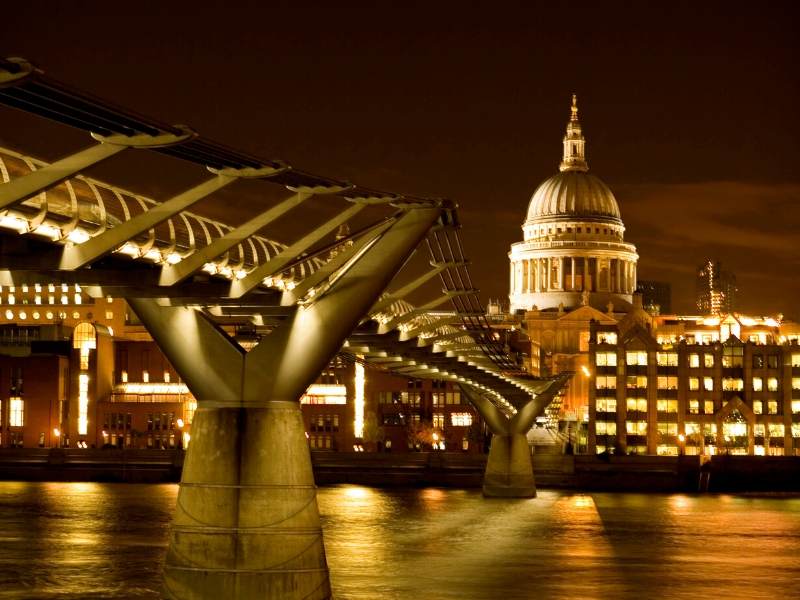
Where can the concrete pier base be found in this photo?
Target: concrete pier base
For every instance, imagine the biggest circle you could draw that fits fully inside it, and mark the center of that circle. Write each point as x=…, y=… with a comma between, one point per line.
x=509, y=470
x=246, y=523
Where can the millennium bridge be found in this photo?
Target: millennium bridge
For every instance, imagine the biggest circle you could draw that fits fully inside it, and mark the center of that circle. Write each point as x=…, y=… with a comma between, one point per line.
x=246, y=522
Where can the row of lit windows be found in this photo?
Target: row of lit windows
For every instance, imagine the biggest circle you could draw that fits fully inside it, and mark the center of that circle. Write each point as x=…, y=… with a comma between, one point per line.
x=442, y=398
x=693, y=430
x=11, y=300
x=324, y=423
x=670, y=382
x=665, y=405
x=415, y=398
x=22, y=315
x=319, y=442
x=732, y=357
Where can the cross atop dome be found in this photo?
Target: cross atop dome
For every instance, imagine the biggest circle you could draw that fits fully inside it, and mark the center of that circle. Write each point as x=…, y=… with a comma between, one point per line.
x=574, y=158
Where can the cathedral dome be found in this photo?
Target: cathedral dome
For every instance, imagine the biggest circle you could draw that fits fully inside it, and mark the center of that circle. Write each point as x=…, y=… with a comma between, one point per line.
x=572, y=193
x=573, y=251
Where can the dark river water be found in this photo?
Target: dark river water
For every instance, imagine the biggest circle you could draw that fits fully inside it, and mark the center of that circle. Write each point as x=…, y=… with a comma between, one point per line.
x=91, y=540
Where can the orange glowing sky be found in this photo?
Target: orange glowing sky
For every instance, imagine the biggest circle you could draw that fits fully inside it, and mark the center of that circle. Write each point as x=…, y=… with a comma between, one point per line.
x=689, y=110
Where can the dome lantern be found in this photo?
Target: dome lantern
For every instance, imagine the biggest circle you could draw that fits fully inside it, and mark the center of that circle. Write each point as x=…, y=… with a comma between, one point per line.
x=574, y=143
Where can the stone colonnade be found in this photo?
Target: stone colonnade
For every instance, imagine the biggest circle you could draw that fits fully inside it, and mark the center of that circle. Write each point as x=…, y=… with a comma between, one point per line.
x=565, y=273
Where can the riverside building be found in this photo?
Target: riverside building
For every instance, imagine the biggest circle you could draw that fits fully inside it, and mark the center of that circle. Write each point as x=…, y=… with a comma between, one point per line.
x=645, y=382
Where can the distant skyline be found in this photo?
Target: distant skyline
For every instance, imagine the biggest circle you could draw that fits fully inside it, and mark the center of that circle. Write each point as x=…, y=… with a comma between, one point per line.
x=689, y=111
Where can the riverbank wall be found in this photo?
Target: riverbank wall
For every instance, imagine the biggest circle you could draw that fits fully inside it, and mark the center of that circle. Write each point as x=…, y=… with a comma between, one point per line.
x=444, y=469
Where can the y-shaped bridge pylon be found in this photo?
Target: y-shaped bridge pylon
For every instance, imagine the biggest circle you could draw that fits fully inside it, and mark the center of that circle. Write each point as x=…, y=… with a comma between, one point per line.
x=247, y=518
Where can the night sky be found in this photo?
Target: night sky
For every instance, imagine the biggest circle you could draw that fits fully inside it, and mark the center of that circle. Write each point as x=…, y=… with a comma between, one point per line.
x=690, y=111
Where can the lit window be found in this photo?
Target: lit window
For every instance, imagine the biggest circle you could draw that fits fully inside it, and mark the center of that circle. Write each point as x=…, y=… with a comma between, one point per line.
x=694, y=360
x=667, y=382
x=758, y=384
x=109, y=314
x=636, y=381
x=637, y=404
x=772, y=407
x=453, y=397
x=461, y=419
x=438, y=420
x=606, y=359
x=667, y=359
x=667, y=428
x=146, y=376
x=637, y=358
x=731, y=384
x=796, y=430
x=84, y=339
x=694, y=383
x=796, y=406
x=772, y=384
x=636, y=427
x=322, y=393
x=708, y=360
x=758, y=407
x=605, y=428
x=667, y=405
x=610, y=405
x=694, y=406
x=691, y=428
x=796, y=383
x=796, y=360
x=606, y=337
x=708, y=384
x=708, y=407
x=606, y=382
x=776, y=429
x=16, y=413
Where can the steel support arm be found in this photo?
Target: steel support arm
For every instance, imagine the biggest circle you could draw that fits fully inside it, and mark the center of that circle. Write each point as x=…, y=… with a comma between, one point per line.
x=491, y=415
x=206, y=358
x=172, y=274
x=282, y=259
x=526, y=415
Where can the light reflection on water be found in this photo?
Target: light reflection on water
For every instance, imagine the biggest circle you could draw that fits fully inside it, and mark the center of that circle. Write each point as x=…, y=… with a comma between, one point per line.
x=88, y=540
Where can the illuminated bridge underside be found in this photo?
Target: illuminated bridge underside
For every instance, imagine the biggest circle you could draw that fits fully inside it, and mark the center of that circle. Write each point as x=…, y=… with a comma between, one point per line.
x=246, y=522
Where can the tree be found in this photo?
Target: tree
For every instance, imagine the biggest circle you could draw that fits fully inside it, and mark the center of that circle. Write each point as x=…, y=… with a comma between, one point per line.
x=373, y=433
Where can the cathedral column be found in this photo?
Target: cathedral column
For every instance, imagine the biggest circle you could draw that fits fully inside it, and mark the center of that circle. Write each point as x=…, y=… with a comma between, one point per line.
x=523, y=269
x=573, y=272
x=530, y=275
x=562, y=284
x=617, y=286
x=586, y=286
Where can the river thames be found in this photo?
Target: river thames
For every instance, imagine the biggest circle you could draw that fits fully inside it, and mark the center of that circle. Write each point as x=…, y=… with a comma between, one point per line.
x=93, y=540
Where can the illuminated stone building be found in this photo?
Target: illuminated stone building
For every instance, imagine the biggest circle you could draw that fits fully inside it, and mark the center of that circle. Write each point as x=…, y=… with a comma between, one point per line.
x=695, y=385
x=645, y=381
x=84, y=373
x=572, y=267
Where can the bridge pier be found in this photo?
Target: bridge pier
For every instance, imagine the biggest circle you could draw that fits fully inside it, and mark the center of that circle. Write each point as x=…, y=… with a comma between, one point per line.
x=246, y=523
x=509, y=468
